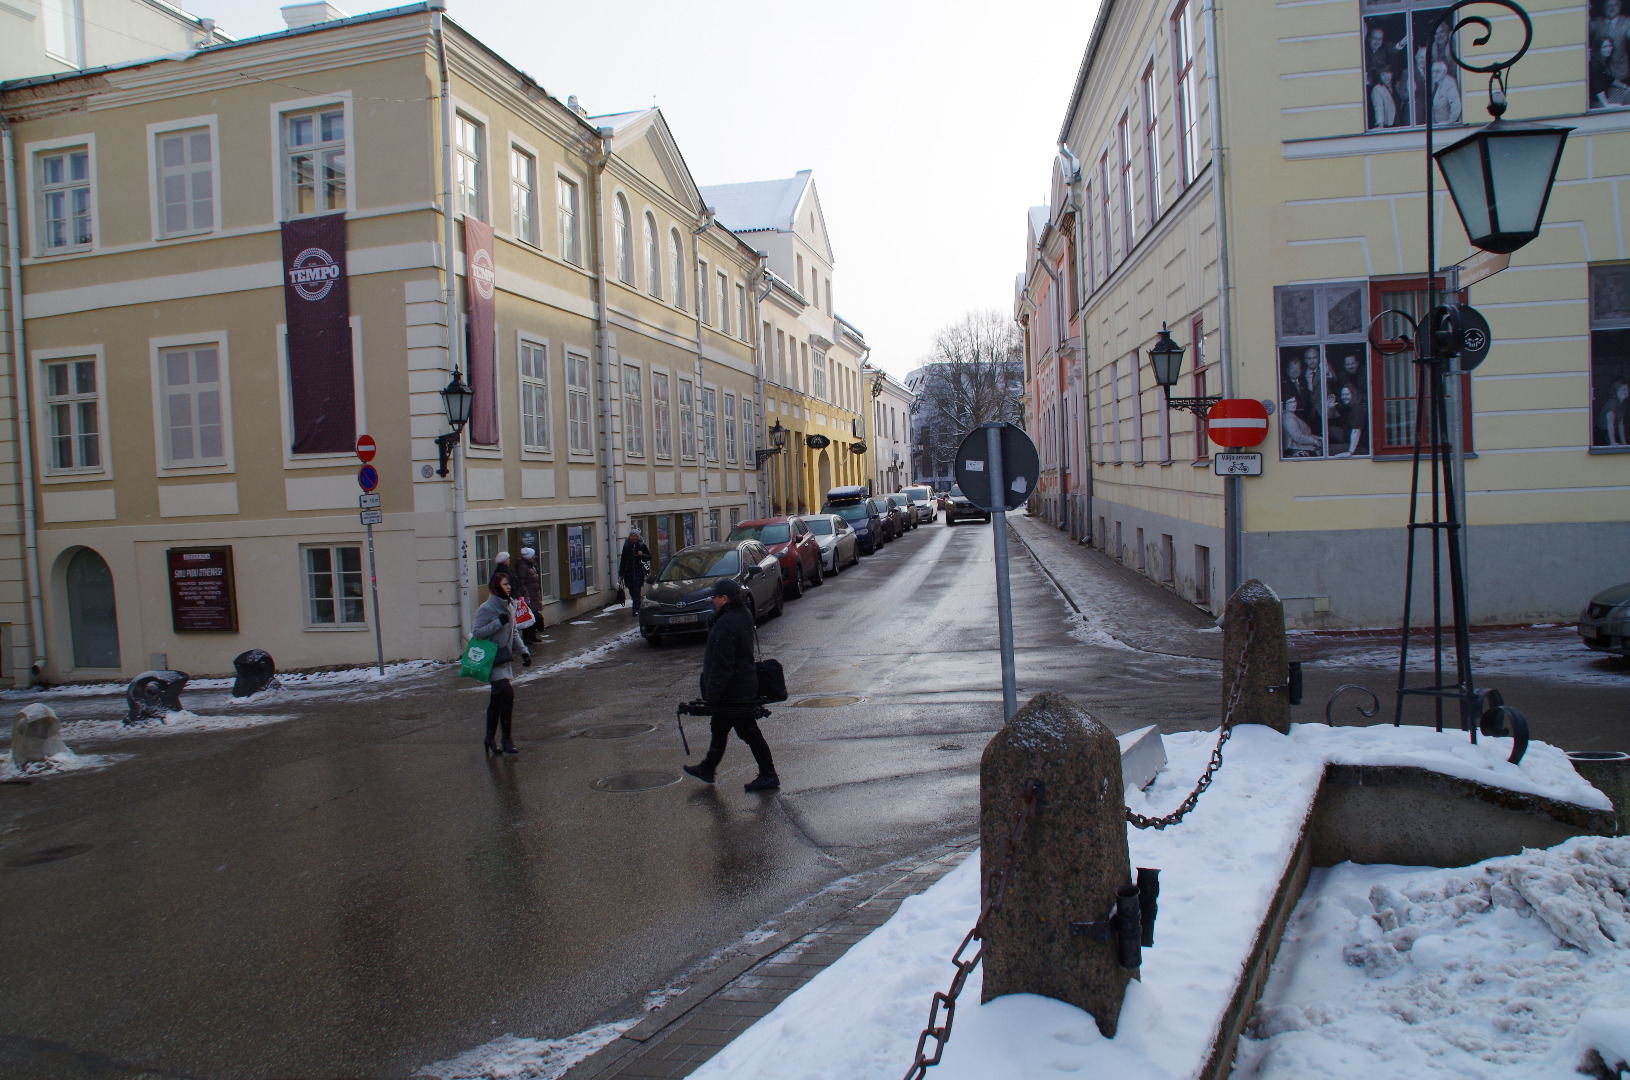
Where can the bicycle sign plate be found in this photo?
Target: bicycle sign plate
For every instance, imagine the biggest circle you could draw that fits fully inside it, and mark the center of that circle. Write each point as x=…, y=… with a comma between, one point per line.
x=1236, y=464
x=373, y=516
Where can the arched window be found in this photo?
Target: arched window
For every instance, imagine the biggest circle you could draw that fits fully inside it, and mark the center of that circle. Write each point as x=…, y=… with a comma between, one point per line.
x=625, y=243
x=653, y=258
x=676, y=258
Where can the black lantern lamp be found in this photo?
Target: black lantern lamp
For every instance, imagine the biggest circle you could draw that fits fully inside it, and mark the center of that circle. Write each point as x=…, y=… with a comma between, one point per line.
x=456, y=399
x=778, y=443
x=1501, y=175
x=1166, y=358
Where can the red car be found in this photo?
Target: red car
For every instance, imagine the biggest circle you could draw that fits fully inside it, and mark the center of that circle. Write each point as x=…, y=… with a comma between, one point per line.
x=793, y=545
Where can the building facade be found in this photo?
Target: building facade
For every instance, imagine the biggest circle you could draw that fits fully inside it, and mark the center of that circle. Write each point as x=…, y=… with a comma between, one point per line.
x=891, y=408
x=48, y=37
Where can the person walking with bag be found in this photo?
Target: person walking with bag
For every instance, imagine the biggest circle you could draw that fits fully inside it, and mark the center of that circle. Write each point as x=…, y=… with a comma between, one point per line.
x=730, y=678
x=495, y=622
x=631, y=568
x=529, y=583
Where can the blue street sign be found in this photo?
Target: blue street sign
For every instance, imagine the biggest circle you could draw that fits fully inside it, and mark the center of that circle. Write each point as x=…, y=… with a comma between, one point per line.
x=367, y=478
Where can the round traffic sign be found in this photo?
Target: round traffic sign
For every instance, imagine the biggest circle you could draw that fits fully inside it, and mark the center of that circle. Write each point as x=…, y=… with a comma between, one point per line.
x=366, y=448
x=367, y=478
x=1021, y=467
x=1237, y=422
x=1474, y=337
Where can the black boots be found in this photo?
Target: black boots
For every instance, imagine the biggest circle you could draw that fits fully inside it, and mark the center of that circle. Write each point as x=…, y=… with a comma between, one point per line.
x=764, y=782
x=703, y=772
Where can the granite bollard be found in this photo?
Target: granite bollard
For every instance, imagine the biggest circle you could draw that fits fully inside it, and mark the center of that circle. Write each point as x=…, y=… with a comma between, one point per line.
x=1069, y=864
x=256, y=670
x=36, y=735
x=1264, y=697
x=153, y=695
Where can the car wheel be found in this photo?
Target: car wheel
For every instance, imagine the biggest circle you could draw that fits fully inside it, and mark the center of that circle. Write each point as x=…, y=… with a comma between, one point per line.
x=797, y=588
x=654, y=640
x=780, y=600
x=819, y=576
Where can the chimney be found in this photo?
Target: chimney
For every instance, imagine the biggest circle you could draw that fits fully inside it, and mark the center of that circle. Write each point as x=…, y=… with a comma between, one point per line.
x=296, y=16
x=572, y=104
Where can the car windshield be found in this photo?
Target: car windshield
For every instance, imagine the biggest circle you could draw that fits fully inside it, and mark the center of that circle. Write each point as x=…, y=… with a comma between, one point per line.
x=916, y=493
x=899, y=498
x=764, y=534
x=956, y=492
x=701, y=564
x=849, y=513
x=819, y=526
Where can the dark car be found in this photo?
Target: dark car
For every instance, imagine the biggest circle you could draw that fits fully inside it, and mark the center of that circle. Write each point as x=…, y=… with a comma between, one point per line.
x=908, y=513
x=793, y=545
x=1604, y=625
x=680, y=600
x=958, y=508
x=894, y=520
x=862, y=518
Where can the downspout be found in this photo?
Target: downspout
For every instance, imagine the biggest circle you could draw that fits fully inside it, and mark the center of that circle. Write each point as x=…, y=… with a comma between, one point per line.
x=761, y=434
x=696, y=402
x=1083, y=427
x=25, y=438
x=1233, y=504
x=461, y=550
x=1059, y=338
x=602, y=347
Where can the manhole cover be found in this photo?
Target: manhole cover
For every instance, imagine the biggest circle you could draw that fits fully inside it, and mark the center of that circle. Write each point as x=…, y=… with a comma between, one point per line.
x=826, y=702
x=634, y=781
x=950, y=746
x=50, y=854
x=615, y=731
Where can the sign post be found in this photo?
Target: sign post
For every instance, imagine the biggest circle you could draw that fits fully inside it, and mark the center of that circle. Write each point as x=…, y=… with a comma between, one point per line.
x=368, y=505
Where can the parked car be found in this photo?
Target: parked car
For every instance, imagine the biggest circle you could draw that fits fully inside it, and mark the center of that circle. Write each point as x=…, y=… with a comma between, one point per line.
x=958, y=508
x=839, y=545
x=922, y=501
x=861, y=517
x=908, y=513
x=1604, y=625
x=791, y=542
x=680, y=600
x=893, y=521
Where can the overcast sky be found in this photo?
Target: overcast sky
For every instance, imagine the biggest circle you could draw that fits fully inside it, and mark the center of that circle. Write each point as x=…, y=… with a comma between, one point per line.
x=930, y=126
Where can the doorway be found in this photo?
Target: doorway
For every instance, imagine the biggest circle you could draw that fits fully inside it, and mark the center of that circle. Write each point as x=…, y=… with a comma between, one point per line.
x=92, y=615
x=826, y=476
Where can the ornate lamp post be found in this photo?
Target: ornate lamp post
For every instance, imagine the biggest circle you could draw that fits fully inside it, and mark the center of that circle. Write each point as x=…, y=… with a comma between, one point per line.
x=778, y=443
x=456, y=399
x=1166, y=358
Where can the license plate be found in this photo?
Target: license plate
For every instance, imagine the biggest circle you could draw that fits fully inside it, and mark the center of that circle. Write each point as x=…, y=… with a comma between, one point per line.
x=1588, y=631
x=676, y=619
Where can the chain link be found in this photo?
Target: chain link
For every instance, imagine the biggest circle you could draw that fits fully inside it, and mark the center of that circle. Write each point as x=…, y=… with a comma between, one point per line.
x=1024, y=811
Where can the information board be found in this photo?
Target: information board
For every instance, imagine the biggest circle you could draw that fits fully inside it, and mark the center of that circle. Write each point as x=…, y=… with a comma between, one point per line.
x=203, y=595
x=576, y=566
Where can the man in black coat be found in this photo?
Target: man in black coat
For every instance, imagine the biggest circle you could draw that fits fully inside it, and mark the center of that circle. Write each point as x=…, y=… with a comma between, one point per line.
x=631, y=567
x=730, y=676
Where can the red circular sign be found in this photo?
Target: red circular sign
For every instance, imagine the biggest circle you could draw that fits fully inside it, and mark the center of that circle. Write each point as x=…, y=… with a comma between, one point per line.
x=1237, y=422
x=366, y=447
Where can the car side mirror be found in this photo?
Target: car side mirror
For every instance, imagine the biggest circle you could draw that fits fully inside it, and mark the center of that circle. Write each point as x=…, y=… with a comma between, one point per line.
x=752, y=571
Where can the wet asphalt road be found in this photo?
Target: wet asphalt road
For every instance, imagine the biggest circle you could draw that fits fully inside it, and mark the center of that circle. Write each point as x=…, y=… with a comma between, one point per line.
x=358, y=891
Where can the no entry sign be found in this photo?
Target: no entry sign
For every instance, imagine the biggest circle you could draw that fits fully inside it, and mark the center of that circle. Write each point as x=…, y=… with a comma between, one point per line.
x=1237, y=422
x=366, y=448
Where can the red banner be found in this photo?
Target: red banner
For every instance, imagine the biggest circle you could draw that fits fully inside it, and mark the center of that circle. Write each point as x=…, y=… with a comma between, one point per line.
x=482, y=336
x=317, y=306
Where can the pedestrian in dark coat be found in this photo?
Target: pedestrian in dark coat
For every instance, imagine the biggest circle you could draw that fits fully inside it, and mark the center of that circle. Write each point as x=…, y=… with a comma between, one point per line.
x=730, y=678
x=631, y=568
x=495, y=622
x=529, y=583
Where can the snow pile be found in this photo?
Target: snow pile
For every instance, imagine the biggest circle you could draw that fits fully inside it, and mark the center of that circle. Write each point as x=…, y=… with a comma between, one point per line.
x=582, y=659
x=175, y=723
x=1513, y=968
x=56, y=765
x=513, y=1057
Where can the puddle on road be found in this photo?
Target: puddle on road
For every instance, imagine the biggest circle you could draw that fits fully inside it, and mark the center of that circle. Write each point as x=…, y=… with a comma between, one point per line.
x=48, y=855
x=634, y=781
x=832, y=702
x=615, y=731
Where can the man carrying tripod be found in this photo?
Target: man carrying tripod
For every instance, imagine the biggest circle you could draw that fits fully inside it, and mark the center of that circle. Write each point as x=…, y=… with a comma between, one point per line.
x=730, y=678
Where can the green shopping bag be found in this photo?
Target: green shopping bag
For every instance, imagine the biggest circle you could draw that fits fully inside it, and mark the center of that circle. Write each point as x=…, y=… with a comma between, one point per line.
x=477, y=660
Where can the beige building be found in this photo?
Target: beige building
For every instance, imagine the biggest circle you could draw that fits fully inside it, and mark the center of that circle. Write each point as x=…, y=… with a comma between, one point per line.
x=891, y=408
x=49, y=37
x=185, y=481
x=1253, y=179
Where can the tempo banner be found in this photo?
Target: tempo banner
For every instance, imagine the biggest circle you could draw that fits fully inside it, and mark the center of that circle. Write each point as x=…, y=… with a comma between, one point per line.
x=479, y=291
x=317, y=307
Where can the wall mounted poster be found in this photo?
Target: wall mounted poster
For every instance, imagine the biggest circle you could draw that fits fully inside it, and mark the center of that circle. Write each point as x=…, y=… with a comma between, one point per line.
x=481, y=340
x=203, y=594
x=577, y=578
x=317, y=307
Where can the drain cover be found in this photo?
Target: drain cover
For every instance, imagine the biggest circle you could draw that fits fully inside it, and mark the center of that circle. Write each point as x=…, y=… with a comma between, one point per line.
x=827, y=702
x=950, y=746
x=615, y=731
x=50, y=854
x=634, y=781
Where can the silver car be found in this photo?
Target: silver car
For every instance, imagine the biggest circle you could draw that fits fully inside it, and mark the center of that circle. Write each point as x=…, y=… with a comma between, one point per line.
x=839, y=545
x=1604, y=625
x=922, y=501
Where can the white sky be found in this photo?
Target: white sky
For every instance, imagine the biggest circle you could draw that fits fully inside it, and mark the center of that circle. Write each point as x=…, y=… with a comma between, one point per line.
x=930, y=126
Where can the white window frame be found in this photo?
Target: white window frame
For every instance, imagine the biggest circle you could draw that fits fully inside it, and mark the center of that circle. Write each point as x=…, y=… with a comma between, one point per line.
x=749, y=433
x=707, y=409
x=633, y=411
x=686, y=406
x=156, y=347
x=70, y=19
x=702, y=305
x=464, y=116
x=729, y=414
x=306, y=598
x=676, y=255
x=36, y=194
x=586, y=394
x=155, y=172
x=282, y=196
x=662, y=415
x=622, y=235
x=524, y=197
x=42, y=431
x=532, y=451
x=652, y=235
x=723, y=281
x=285, y=434
x=566, y=256
x=744, y=325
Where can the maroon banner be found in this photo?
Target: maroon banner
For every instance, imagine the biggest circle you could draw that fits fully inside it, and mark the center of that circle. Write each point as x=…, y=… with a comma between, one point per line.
x=317, y=304
x=482, y=335
x=203, y=595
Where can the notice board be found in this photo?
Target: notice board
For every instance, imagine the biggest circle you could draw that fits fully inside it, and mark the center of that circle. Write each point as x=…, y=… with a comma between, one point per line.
x=203, y=594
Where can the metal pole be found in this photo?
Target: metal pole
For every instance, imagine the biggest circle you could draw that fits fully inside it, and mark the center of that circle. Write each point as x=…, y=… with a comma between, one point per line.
x=1004, y=590
x=373, y=580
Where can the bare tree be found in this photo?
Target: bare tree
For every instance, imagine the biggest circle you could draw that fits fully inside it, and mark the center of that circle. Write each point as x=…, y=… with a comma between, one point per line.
x=974, y=374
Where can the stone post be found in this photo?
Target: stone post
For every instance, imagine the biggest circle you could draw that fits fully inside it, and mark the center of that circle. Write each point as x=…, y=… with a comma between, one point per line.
x=36, y=735
x=1070, y=862
x=1263, y=696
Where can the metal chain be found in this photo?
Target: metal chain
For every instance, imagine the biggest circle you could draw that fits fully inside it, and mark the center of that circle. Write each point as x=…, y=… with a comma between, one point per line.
x=1216, y=754
x=1023, y=812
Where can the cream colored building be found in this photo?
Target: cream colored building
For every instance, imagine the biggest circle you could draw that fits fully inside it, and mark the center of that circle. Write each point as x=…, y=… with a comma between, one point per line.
x=49, y=37
x=1253, y=178
x=891, y=408
x=158, y=388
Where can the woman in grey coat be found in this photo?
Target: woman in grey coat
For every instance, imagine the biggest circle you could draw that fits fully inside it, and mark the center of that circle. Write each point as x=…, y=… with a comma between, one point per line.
x=495, y=622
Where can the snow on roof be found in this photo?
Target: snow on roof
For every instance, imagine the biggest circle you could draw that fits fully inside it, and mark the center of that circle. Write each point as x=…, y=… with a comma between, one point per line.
x=618, y=120
x=758, y=204
x=1039, y=216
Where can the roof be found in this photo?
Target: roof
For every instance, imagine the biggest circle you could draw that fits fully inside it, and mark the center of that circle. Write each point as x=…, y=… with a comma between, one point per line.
x=758, y=205
x=1040, y=216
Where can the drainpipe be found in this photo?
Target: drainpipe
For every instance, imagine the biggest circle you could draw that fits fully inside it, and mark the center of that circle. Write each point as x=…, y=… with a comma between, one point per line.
x=1059, y=339
x=25, y=437
x=1233, y=504
x=761, y=437
x=602, y=342
x=1083, y=427
x=461, y=551
x=696, y=403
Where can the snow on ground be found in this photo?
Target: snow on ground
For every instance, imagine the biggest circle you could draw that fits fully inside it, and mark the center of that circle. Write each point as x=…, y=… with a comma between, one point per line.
x=513, y=1057
x=1507, y=970
x=859, y=1019
x=57, y=765
x=582, y=659
x=175, y=723
x=310, y=680
x=1541, y=652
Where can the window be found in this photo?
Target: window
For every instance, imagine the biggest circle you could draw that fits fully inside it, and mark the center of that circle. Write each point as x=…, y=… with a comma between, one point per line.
x=1324, y=386
x=687, y=420
x=534, y=396
x=749, y=431
x=743, y=327
x=625, y=241
x=1202, y=440
x=653, y=258
x=735, y=517
x=1408, y=69
x=633, y=413
x=676, y=258
x=702, y=306
x=1137, y=408
x=730, y=428
x=1103, y=211
x=661, y=416
x=543, y=542
x=803, y=365
x=1392, y=379
x=73, y=411
x=724, y=303
x=1202, y=574
x=579, y=424
x=829, y=296
x=801, y=286
x=820, y=375
x=65, y=199
x=192, y=414
x=781, y=357
x=523, y=196
x=469, y=177
x=334, y=586
x=486, y=555
x=1609, y=354
x=1092, y=250
x=566, y=215
x=185, y=182
x=710, y=423
x=314, y=161
x=1151, y=145
x=63, y=26
x=1183, y=79
x=1126, y=182
x=590, y=574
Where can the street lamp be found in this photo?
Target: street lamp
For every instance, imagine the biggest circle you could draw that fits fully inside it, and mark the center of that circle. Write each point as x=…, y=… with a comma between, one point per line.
x=1500, y=177
x=456, y=399
x=1166, y=358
